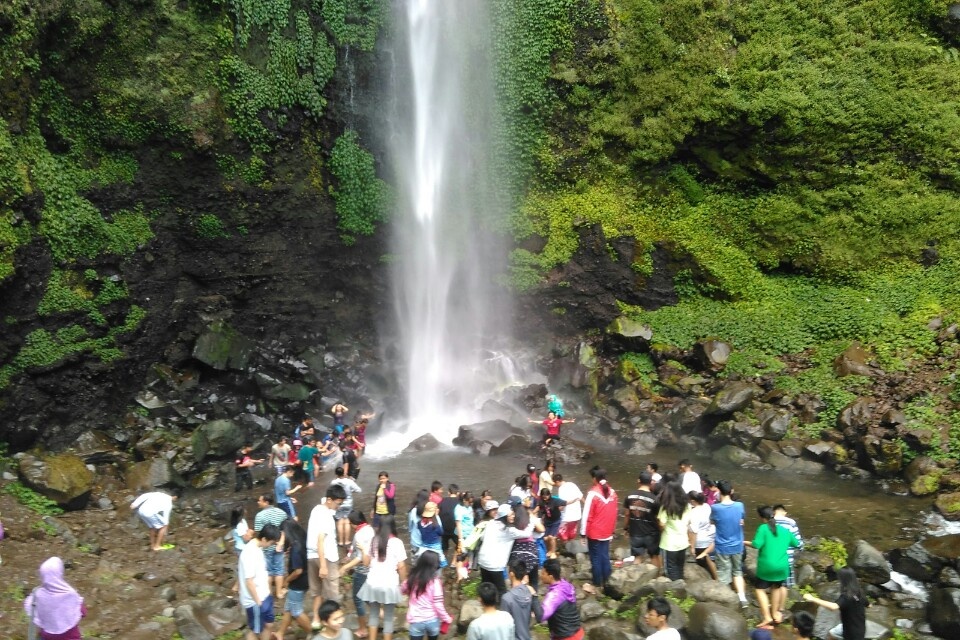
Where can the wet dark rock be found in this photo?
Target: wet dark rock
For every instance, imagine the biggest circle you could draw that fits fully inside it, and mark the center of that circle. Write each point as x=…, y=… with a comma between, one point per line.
x=893, y=417
x=426, y=442
x=492, y=431
x=853, y=361
x=493, y=410
x=712, y=591
x=948, y=504
x=869, y=563
x=220, y=346
x=687, y=417
x=606, y=632
x=530, y=397
x=218, y=438
x=517, y=443
x=712, y=621
x=63, y=478
x=854, y=418
x=737, y=456
x=744, y=433
x=629, y=578
x=734, y=396
x=915, y=562
x=274, y=388
x=95, y=447
x=943, y=612
x=775, y=423
x=946, y=548
x=809, y=408
x=712, y=354
x=792, y=448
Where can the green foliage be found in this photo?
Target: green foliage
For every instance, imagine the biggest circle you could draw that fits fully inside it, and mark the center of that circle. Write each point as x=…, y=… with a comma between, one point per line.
x=361, y=197
x=469, y=588
x=833, y=548
x=32, y=500
x=353, y=22
x=209, y=227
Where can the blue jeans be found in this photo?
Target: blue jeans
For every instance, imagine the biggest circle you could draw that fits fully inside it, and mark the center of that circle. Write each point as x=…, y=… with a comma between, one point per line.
x=275, y=562
x=429, y=628
x=358, y=580
x=599, y=552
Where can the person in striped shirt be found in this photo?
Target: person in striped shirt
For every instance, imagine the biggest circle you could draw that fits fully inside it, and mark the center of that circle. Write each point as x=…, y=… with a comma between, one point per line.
x=788, y=523
x=271, y=514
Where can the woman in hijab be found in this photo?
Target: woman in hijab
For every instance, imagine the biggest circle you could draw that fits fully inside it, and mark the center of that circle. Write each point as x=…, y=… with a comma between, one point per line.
x=55, y=607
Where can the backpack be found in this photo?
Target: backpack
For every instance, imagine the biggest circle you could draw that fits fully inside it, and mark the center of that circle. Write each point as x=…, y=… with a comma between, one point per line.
x=475, y=539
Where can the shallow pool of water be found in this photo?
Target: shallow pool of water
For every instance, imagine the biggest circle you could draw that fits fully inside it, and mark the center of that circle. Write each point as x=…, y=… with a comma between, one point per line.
x=823, y=505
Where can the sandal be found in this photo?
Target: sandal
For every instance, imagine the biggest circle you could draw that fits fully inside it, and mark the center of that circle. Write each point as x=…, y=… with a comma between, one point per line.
x=767, y=626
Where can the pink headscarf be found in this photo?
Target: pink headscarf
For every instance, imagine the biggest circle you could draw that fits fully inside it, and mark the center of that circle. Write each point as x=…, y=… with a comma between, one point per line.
x=58, y=604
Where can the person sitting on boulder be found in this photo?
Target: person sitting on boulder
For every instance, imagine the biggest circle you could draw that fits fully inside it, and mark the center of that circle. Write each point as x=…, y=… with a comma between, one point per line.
x=552, y=425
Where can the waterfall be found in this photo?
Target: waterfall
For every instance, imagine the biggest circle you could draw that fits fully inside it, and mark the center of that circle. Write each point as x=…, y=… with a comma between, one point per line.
x=450, y=315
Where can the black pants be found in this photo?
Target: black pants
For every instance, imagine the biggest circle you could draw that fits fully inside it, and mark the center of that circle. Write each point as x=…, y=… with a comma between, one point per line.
x=446, y=539
x=495, y=578
x=244, y=477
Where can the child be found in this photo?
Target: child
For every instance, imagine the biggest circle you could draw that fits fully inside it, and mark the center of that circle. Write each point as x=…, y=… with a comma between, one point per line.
x=332, y=618
x=426, y=615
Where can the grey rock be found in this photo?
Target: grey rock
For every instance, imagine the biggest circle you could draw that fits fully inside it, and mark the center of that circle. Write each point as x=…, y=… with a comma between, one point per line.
x=712, y=354
x=96, y=447
x=222, y=347
x=217, y=438
x=629, y=578
x=915, y=562
x=517, y=443
x=606, y=632
x=492, y=431
x=627, y=334
x=711, y=621
x=470, y=610
x=426, y=442
x=869, y=563
x=591, y=610
x=943, y=612
x=734, y=396
x=151, y=474
x=687, y=417
x=168, y=593
x=188, y=626
x=740, y=432
x=737, y=456
x=712, y=591
x=775, y=423
x=853, y=361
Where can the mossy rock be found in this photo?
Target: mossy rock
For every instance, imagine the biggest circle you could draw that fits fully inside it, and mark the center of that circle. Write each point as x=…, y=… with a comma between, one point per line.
x=925, y=485
x=222, y=347
x=948, y=504
x=63, y=478
x=218, y=438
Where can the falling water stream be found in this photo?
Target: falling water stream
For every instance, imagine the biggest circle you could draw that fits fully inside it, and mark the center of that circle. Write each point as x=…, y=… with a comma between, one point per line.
x=450, y=316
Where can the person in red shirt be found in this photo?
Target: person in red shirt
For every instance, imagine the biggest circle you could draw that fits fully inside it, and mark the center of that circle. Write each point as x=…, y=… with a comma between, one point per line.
x=552, y=425
x=598, y=524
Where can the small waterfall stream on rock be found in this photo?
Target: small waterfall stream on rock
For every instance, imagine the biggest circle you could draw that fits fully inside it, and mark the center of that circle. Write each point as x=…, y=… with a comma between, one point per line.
x=451, y=317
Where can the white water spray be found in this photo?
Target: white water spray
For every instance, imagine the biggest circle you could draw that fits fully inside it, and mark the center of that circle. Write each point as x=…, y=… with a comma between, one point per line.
x=450, y=314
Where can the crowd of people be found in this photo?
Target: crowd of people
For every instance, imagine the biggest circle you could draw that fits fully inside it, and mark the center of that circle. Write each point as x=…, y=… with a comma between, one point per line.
x=510, y=541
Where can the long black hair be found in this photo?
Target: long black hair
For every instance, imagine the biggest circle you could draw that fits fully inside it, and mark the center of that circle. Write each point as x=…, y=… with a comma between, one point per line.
x=766, y=513
x=294, y=535
x=673, y=500
x=236, y=515
x=423, y=572
x=521, y=517
x=386, y=529
x=849, y=584
x=423, y=496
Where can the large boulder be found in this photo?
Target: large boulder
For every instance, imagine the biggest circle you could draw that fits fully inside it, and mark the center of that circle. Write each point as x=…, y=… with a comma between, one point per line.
x=730, y=454
x=943, y=612
x=946, y=548
x=712, y=621
x=208, y=619
x=470, y=610
x=712, y=591
x=854, y=418
x=744, y=433
x=687, y=416
x=63, y=478
x=629, y=578
x=222, y=347
x=948, y=504
x=426, y=442
x=607, y=632
x=734, y=396
x=492, y=431
x=151, y=474
x=275, y=389
x=869, y=563
x=96, y=447
x=775, y=423
x=916, y=562
x=218, y=438
x=517, y=443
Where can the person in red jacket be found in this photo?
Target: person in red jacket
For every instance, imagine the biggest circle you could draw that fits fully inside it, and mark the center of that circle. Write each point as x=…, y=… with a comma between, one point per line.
x=598, y=523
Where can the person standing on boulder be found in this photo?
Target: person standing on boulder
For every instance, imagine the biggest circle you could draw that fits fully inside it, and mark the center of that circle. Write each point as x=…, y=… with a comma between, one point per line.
x=342, y=516
x=640, y=512
x=773, y=566
x=675, y=535
x=598, y=524
x=243, y=464
x=552, y=428
x=852, y=604
x=255, y=597
x=728, y=516
x=154, y=509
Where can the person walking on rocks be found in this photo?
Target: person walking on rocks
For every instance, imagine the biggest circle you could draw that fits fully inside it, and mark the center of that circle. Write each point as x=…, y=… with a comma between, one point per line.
x=448, y=518
x=243, y=464
x=788, y=523
x=675, y=535
x=362, y=538
x=559, y=607
x=426, y=615
x=546, y=476
x=55, y=608
x=598, y=524
x=572, y=498
x=255, y=597
x=323, y=554
x=280, y=455
x=283, y=492
x=640, y=514
x=296, y=581
x=773, y=566
x=387, y=562
x=270, y=514
x=497, y=542
x=728, y=516
x=704, y=530
x=658, y=617
x=342, y=516
x=154, y=509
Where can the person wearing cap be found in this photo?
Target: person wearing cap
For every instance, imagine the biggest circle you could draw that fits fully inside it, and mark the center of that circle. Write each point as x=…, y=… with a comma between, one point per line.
x=431, y=530
x=497, y=543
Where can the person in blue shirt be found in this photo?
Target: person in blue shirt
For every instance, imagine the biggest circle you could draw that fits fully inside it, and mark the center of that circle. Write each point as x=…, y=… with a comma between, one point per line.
x=283, y=491
x=728, y=516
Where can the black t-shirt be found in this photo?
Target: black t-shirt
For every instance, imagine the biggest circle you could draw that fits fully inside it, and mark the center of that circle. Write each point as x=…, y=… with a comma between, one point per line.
x=643, y=513
x=551, y=510
x=298, y=560
x=447, y=519
x=853, y=616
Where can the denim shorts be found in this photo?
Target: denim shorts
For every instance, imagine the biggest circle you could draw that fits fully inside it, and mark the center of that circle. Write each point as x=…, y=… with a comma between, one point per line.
x=294, y=602
x=428, y=628
x=275, y=562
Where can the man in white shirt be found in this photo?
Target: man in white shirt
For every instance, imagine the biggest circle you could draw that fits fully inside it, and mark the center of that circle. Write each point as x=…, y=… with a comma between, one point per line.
x=255, y=597
x=154, y=509
x=323, y=554
x=280, y=455
x=689, y=479
x=573, y=497
x=658, y=616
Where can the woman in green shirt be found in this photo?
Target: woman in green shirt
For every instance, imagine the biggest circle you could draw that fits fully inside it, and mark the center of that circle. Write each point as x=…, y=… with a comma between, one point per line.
x=773, y=566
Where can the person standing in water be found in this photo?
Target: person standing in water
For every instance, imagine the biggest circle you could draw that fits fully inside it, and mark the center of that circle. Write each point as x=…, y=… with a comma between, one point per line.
x=339, y=412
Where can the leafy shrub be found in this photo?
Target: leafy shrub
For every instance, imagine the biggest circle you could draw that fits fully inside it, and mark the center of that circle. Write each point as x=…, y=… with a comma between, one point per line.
x=32, y=500
x=361, y=197
x=209, y=227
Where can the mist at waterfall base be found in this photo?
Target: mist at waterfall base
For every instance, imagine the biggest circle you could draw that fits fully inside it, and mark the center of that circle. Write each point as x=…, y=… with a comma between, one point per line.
x=452, y=321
